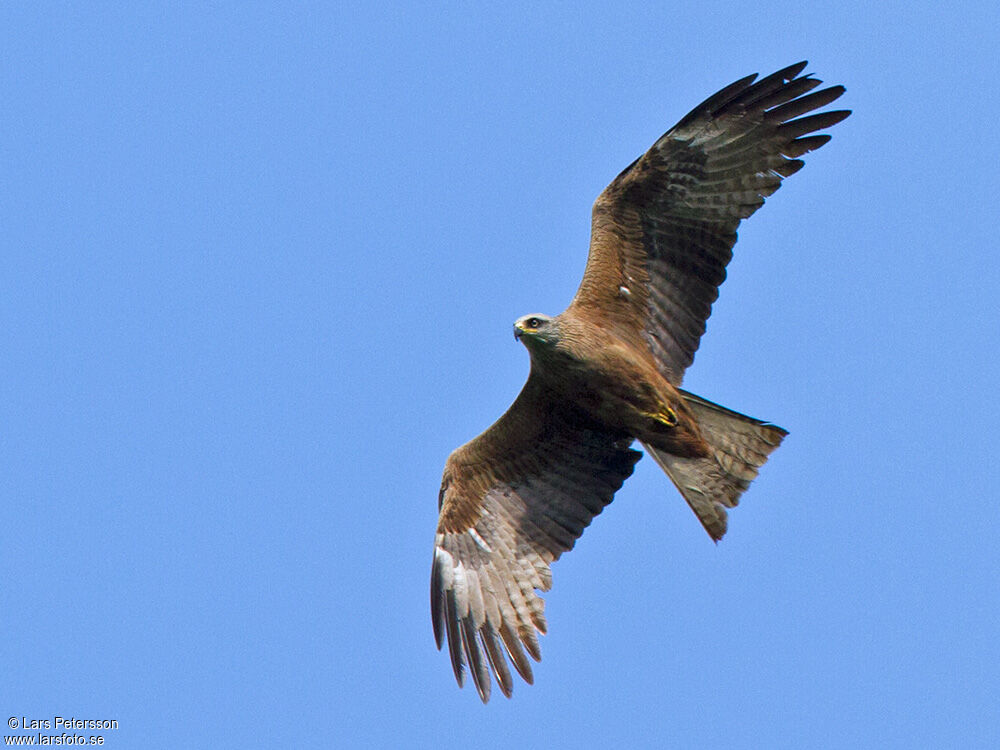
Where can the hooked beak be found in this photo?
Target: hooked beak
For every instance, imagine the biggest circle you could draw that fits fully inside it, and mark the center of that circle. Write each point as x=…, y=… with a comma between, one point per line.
x=517, y=332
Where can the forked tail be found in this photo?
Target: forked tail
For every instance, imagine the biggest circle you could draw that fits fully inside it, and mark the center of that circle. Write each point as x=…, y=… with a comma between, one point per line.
x=740, y=446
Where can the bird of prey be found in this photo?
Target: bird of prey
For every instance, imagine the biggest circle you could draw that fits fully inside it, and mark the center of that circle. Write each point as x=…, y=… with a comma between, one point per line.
x=607, y=371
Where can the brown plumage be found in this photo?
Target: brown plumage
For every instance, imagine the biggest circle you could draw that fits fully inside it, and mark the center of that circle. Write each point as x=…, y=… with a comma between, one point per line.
x=607, y=371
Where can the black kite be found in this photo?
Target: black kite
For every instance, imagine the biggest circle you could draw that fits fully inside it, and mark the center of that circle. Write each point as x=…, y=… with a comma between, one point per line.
x=608, y=370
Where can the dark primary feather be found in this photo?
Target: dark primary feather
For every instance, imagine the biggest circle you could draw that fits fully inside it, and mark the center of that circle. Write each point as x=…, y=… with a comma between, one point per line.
x=665, y=228
x=513, y=500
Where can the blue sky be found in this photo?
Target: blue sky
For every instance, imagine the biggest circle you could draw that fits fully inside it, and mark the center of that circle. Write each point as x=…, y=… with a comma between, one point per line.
x=258, y=268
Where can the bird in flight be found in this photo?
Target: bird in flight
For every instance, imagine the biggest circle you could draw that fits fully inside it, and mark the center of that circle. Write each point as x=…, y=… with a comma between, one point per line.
x=607, y=372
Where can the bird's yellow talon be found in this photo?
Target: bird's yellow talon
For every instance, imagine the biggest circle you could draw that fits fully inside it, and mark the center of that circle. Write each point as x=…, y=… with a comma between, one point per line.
x=666, y=416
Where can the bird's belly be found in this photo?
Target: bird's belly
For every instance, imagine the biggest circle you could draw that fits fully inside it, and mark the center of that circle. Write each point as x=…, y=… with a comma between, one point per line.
x=611, y=396
x=622, y=394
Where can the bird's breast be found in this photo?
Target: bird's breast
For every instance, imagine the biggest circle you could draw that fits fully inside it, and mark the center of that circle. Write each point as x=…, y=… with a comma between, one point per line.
x=606, y=380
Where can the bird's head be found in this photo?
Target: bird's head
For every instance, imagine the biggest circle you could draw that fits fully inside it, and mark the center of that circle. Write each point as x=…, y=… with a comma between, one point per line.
x=536, y=330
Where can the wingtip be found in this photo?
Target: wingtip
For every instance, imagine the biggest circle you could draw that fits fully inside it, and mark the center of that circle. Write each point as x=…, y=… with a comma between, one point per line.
x=838, y=115
x=437, y=603
x=507, y=690
x=793, y=70
x=483, y=691
x=454, y=639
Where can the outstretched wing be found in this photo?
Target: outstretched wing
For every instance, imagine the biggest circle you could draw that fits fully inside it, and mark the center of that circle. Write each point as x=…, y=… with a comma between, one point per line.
x=512, y=501
x=663, y=231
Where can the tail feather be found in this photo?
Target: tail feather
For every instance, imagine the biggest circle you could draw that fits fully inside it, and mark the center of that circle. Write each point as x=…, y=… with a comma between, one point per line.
x=740, y=446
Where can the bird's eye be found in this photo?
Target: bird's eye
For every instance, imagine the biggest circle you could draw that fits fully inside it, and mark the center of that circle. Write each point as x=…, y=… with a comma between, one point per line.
x=534, y=322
